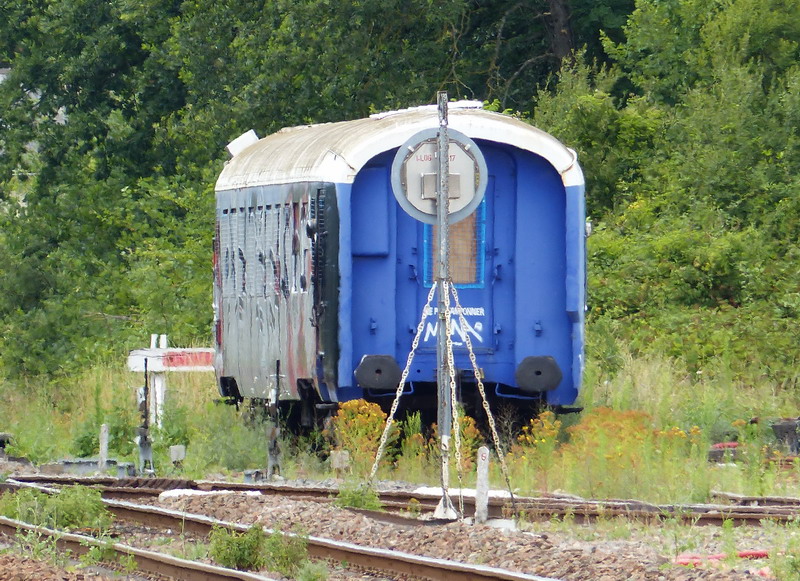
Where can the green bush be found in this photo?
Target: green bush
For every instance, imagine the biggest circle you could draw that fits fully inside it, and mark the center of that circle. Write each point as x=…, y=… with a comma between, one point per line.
x=312, y=571
x=28, y=505
x=358, y=495
x=221, y=440
x=239, y=550
x=175, y=426
x=75, y=507
x=286, y=553
x=121, y=417
x=254, y=550
x=79, y=507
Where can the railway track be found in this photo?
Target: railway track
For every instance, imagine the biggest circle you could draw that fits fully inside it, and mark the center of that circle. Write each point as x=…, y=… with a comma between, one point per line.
x=401, y=505
x=384, y=562
x=148, y=561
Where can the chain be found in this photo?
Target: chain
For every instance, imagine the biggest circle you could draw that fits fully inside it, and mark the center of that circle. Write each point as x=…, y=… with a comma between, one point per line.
x=414, y=345
x=478, y=376
x=453, y=402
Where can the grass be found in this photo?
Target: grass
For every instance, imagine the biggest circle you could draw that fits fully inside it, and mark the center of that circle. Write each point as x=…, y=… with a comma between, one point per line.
x=74, y=507
x=254, y=549
x=644, y=433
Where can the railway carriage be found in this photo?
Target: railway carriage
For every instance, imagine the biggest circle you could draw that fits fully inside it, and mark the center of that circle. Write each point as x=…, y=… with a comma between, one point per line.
x=321, y=277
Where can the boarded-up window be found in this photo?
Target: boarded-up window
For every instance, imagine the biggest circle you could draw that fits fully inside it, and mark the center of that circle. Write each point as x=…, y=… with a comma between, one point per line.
x=466, y=250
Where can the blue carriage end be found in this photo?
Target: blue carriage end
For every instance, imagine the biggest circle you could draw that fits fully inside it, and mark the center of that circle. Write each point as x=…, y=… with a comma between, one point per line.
x=359, y=269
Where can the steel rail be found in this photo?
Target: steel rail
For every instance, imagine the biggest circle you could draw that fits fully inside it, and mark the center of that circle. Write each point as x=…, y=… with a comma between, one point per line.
x=127, y=483
x=695, y=514
x=745, y=500
x=739, y=509
x=148, y=561
x=384, y=560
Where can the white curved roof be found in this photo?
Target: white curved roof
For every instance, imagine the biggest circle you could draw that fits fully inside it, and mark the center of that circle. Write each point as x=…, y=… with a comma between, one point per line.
x=335, y=152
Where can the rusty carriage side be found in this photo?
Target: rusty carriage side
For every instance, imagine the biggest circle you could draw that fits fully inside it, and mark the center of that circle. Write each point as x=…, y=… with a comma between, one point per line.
x=275, y=311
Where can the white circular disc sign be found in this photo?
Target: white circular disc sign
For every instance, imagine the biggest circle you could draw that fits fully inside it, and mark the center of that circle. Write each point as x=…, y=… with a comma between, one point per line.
x=415, y=176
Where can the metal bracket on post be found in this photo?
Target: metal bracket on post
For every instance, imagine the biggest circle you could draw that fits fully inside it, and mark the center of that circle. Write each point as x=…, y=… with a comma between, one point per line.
x=155, y=362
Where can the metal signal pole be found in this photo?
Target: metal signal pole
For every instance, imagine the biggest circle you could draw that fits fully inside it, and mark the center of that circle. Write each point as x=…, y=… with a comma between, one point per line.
x=436, y=151
x=445, y=412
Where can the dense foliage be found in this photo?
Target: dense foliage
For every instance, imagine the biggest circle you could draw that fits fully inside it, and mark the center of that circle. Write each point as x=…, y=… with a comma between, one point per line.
x=695, y=252
x=114, y=117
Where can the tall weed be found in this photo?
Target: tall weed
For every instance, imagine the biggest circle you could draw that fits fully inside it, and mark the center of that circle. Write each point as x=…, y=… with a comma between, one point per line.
x=220, y=440
x=239, y=550
x=470, y=440
x=414, y=463
x=41, y=432
x=672, y=393
x=613, y=454
x=73, y=508
x=357, y=428
x=534, y=455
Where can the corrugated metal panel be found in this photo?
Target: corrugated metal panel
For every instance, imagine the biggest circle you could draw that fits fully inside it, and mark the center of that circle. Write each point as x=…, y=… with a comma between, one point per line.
x=335, y=152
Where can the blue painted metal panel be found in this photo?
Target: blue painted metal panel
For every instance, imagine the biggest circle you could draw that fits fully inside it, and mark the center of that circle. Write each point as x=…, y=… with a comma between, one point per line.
x=411, y=293
x=576, y=276
x=373, y=315
x=529, y=301
x=543, y=326
x=370, y=211
x=501, y=262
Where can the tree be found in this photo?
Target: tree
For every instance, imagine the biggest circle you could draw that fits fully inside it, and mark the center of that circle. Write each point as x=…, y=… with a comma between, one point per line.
x=115, y=117
x=691, y=182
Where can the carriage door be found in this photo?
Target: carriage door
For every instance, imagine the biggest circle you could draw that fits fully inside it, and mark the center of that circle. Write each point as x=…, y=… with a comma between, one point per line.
x=481, y=266
x=470, y=269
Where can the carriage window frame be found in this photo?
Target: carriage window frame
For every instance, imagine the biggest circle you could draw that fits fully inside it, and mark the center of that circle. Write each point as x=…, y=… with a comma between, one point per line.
x=479, y=235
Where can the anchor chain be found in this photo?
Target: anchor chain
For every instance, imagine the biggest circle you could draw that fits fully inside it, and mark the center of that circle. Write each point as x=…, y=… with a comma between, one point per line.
x=414, y=345
x=478, y=376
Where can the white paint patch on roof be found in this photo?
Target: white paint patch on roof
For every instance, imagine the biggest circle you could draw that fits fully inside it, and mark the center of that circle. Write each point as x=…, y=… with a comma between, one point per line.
x=335, y=152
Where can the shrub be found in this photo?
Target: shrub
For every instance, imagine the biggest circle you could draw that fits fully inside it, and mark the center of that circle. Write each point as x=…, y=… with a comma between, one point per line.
x=614, y=454
x=121, y=420
x=175, y=429
x=414, y=461
x=286, y=553
x=75, y=507
x=222, y=440
x=536, y=447
x=312, y=571
x=239, y=550
x=254, y=549
x=27, y=505
x=357, y=427
x=471, y=440
x=354, y=495
x=79, y=507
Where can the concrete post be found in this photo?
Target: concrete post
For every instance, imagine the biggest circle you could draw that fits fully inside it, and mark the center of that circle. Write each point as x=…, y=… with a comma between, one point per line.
x=158, y=393
x=101, y=464
x=482, y=486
